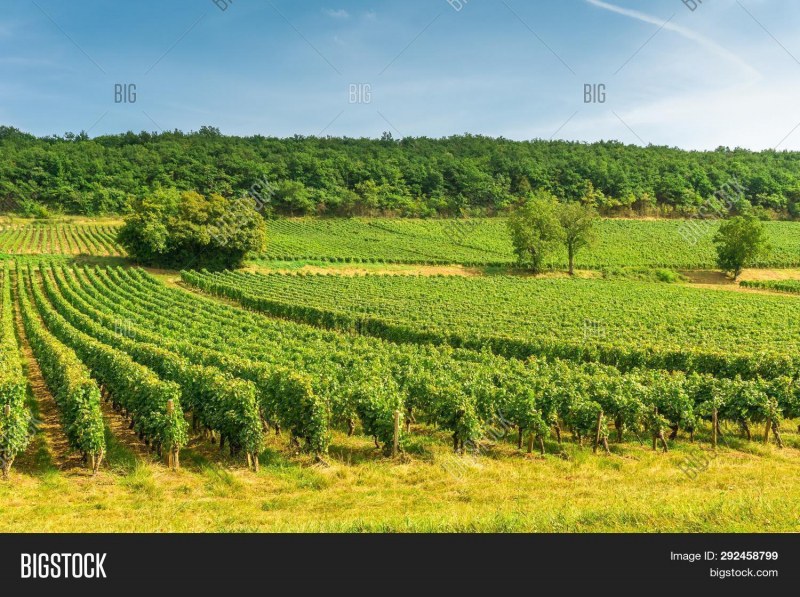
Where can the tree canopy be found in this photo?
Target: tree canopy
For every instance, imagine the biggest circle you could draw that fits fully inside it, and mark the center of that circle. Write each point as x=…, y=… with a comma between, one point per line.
x=739, y=241
x=178, y=229
x=458, y=175
x=536, y=230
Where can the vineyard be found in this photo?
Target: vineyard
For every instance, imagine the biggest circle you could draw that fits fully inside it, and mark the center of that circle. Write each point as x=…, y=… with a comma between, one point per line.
x=621, y=323
x=60, y=239
x=473, y=242
x=235, y=390
x=165, y=360
x=790, y=286
x=676, y=244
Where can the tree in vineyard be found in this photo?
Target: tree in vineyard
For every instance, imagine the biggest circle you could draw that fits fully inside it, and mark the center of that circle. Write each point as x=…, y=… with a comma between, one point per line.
x=740, y=241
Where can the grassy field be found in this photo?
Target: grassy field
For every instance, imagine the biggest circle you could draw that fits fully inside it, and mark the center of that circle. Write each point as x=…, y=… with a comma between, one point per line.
x=746, y=488
x=620, y=243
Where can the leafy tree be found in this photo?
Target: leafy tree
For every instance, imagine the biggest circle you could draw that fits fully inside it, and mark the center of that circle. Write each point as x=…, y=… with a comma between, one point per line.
x=185, y=229
x=535, y=230
x=739, y=242
x=471, y=174
x=577, y=223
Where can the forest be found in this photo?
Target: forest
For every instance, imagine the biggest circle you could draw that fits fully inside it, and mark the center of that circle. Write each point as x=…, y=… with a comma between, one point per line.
x=464, y=175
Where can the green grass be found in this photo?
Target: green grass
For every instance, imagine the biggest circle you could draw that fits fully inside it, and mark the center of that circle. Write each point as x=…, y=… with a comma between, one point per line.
x=630, y=243
x=748, y=487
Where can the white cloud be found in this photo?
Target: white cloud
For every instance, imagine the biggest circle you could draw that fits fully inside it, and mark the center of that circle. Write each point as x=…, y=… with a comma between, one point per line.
x=340, y=13
x=682, y=31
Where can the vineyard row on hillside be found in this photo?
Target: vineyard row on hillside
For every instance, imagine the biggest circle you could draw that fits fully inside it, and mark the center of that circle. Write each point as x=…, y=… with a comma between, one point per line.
x=60, y=239
x=161, y=354
x=624, y=324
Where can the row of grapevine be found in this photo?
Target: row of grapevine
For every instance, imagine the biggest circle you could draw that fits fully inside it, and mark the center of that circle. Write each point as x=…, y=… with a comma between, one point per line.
x=60, y=239
x=218, y=401
x=15, y=417
x=677, y=244
x=790, y=286
x=153, y=404
x=624, y=324
x=285, y=398
x=75, y=392
x=459, y=391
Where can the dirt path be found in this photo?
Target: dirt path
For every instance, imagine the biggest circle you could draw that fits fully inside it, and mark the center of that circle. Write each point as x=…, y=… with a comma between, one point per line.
x=62, y=456
x=122, y=434
x=716, y=280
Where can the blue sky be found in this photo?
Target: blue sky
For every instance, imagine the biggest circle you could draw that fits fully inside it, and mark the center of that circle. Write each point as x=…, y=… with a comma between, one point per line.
x=726, y=73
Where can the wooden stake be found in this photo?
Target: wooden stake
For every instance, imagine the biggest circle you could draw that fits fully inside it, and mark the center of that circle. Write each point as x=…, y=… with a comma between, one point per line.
x=714, y=427
x=530, y=443
x=597, y=434
x=396, y=440
x=777, y=433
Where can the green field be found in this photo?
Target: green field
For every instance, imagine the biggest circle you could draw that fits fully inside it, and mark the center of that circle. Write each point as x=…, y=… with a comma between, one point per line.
x=623, y=323
x=60, y=239
x=498, y=388
x=676, y=244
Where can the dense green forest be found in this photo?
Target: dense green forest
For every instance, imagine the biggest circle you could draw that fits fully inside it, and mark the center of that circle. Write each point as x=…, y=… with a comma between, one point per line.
x=461, y=175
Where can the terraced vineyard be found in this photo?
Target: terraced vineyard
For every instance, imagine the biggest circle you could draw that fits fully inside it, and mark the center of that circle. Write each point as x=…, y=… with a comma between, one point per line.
x=60, y=239
x=482, y=241
x=622, y=323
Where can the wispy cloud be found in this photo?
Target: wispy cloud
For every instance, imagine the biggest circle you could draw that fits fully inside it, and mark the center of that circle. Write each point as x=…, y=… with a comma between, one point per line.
x=339, y=13
x=682, y=31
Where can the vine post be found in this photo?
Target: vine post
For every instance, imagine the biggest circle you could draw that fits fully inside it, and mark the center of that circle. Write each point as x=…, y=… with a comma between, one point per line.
x=597, y=433
x=396, y=439
x=172, y=454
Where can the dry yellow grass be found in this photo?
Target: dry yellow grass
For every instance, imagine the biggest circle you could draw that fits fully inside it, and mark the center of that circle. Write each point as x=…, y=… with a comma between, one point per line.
x=747, y=488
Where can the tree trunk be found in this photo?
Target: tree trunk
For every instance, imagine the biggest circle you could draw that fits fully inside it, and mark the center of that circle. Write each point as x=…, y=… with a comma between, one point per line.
x=746, y=429
x=571, y=252
x=674, y=435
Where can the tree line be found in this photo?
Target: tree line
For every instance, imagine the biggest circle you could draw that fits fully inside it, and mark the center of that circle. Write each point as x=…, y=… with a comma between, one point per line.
x=424, y=177
x=541, y=224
